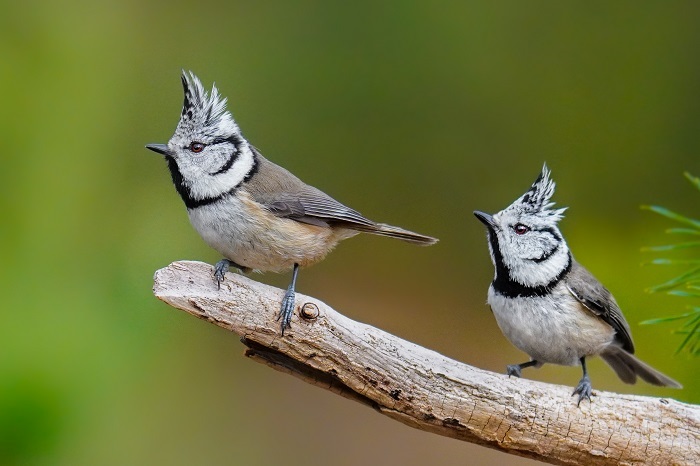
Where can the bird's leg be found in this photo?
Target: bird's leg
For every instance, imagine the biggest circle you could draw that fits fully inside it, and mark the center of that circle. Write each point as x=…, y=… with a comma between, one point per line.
x=222, y=267
x=584, y=388
x=287, y=309
x=516, y=369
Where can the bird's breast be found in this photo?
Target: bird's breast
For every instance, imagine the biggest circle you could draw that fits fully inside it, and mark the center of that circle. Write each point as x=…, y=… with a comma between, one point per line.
x=554, y=328
x=245, y=232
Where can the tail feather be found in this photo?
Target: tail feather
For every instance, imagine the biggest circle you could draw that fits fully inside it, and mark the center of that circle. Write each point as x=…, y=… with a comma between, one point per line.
x=628, y=367
x=623, y=370
x=396, y=232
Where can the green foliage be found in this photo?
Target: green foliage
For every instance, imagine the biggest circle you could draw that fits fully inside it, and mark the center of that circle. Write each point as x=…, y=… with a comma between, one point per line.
x=685, y=285
x=31, y=417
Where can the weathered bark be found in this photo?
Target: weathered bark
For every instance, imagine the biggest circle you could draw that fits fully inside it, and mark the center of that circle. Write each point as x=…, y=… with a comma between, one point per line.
x=431, y=392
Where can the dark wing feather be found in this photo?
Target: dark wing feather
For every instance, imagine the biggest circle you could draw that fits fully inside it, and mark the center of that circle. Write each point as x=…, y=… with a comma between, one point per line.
x=287, y=196
x=318, y=204
x=288, y=208
x=597, y=299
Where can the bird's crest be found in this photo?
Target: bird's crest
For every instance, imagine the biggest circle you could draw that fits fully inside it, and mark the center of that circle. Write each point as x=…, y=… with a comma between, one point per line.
x=204, y=111
x=537, y=199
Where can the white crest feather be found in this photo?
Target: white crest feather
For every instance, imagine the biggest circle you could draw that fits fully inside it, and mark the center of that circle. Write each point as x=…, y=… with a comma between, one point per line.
x=537, y=199
x=205, y=111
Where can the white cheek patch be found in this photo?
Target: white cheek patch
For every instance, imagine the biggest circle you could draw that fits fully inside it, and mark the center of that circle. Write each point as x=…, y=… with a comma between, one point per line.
x=212, y=185
x=530, y=273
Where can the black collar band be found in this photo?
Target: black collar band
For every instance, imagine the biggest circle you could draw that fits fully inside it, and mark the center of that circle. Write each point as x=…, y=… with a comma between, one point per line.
x=504, y=285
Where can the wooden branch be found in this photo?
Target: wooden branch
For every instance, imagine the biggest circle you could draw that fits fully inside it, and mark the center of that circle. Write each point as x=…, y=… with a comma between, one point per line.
x=431, y=392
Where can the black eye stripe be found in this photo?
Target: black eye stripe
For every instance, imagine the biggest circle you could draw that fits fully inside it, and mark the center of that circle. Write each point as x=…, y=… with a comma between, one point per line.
x=233, y=139
x=552, y=232
x=549, y=230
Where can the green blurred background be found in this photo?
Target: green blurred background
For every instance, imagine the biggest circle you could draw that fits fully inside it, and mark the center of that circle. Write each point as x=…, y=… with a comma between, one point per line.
x=413, y=113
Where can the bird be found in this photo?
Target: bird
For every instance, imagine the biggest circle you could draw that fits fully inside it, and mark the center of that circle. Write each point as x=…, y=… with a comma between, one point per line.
x=256, y=214
x=546, y=303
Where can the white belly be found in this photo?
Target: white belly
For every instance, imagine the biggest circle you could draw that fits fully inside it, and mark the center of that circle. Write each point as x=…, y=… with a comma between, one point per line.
x=242, y=231
x=552, y=329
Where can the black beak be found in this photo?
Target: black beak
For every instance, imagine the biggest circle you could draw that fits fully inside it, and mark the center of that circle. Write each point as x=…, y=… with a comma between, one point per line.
x=160, y=148
x=485, y=218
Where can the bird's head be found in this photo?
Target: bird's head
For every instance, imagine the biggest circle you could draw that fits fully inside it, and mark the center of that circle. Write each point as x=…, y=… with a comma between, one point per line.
x=207, y=155
x=524, y=238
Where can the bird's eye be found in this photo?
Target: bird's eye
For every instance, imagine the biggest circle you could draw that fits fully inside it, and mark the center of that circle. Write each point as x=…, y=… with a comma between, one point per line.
x=520, y=229
x=197, y=147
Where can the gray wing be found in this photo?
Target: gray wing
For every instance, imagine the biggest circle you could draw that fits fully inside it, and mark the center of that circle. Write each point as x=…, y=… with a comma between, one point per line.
x=597, y=299
x=287, y=196
x=316, y=208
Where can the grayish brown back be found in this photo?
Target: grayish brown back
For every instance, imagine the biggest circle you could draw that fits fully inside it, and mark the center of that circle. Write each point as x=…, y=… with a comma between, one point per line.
x=597, y=299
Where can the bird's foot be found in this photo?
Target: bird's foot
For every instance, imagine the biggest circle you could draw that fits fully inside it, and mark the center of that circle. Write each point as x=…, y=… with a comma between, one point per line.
x=220, y=270
x=584, y=389
x=287, y=309
x=513, y=370
x=222, y=267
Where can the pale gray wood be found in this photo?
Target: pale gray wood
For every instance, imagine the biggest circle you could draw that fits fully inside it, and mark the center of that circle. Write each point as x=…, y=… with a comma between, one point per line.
x=431, y=392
